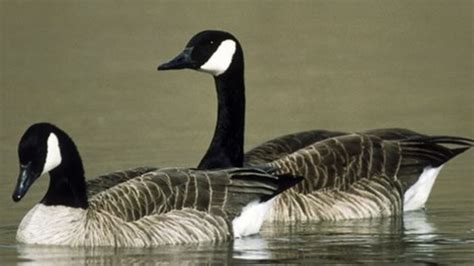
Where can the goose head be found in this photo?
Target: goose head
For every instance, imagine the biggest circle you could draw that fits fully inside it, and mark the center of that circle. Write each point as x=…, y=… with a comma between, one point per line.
x=219, y=53
x=211, y=51
x=41, y=150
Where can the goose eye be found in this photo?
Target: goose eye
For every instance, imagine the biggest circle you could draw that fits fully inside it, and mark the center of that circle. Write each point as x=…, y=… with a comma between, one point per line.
x=211, y=42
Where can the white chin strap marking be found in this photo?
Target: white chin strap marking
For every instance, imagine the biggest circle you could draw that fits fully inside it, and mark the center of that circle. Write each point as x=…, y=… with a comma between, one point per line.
x=221, y=59
x=53, y=154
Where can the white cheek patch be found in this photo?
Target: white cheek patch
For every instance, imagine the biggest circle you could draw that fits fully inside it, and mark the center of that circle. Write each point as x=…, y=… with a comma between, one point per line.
x=220, y=59
x=53, y=154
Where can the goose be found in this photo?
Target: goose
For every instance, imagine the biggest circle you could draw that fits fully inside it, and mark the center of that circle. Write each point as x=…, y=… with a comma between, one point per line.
x=378, y=172
x=142, y=207
x=220, y=54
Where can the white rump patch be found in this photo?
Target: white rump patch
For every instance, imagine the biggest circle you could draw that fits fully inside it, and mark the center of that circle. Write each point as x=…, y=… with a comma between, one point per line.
x=220, y=59
x=53, y=154
x=417, y=195
x=251, y=218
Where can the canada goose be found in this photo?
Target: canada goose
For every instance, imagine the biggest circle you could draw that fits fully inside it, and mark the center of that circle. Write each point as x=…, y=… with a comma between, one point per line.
x=147, y=208
x=220, y=54
x=345, y=175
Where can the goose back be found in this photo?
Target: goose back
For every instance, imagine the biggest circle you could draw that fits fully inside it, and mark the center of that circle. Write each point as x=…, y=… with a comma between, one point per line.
x=156, y=192
x=358, y=175
x=103, y=182
x=279, y=147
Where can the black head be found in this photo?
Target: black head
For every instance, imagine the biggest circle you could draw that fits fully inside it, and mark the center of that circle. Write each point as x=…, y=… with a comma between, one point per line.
x=210, y=51
x=39, y=152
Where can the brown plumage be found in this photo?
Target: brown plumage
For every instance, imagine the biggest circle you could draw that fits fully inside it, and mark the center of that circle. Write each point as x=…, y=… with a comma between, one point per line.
x=135, y=208
x=375, y=173
x=284, y=145
x=103, y=182
x=166, y=206
x=357, y=175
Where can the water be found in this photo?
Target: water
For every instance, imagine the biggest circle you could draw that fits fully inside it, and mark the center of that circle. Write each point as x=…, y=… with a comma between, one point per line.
x=90, y=68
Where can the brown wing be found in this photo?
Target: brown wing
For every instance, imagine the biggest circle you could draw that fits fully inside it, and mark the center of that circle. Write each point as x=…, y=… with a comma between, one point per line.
x=357, y=176
x=285, y=145
x=279, y=147
x=341, y=161
x=101, y=183
x=220, y=192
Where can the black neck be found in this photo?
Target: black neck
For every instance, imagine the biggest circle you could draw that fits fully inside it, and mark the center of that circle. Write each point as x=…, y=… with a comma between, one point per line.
x=226, y=148
x=67, y=185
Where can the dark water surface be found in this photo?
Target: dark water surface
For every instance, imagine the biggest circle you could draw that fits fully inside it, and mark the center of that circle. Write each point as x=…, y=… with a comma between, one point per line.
x=90, y=68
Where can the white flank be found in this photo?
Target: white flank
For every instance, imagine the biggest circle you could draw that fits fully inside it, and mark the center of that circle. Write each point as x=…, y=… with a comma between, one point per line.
x=417, y=195
x=221, y=59
x=251, y=218
x=53, y=154
x=55, y=225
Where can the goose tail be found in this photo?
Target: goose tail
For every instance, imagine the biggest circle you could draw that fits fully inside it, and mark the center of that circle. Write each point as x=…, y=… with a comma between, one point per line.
x=435, y=150
x=263, y=177
x=423, y=159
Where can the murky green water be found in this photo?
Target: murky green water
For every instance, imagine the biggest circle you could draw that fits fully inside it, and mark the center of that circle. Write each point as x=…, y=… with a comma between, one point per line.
x=90, y=67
